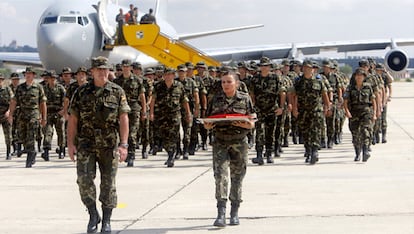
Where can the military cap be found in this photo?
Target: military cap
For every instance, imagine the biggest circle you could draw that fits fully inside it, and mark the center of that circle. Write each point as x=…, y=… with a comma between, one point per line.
x=285, y=62
x=379, y=66
x=265, y=61
x=67, y=70
x=335, y=63
x=201, y=64
x=52, y=74
x=297, y=62
x=118, y=67
x=327, y=63
x=149, y=71
x=82, y=69
x=363, y=62
x=160, y=69
x=189, y=65
x=315, y=64
x=126, y=62
x=212, y=68
x=136, y=65
x=225, y=69
x=307, y=63
x=360, y=71
x=14, y=75
x=371, y=61
x=45, y=74
x=2, y=76
x=169, y=70
x=29, y=69
x=277, y=67
x=181, y=67
x=100, y=62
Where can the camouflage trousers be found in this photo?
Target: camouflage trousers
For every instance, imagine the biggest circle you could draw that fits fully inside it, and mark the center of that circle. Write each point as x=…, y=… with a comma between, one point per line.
x=167, y=129
x=265, y=130
x=6, y=130
x=360, y=126
x=310, y=123
x=107, y=160
x=133, y=120
x=187, y=127
x=287, y=126
x=340, y=119
x=29, y=130
x=15, y=127
x=143, y=132
x=384, y=118
x=330, y=122
x=233, y=155
x=53, y=120
x=280, y=128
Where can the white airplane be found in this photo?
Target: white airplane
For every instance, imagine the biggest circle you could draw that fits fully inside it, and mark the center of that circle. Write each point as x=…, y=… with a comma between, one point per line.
x=70, y=33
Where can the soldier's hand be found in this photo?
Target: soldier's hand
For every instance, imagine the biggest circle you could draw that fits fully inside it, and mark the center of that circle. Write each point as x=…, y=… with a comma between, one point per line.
x=279, y=111
x=7, y=114
x=295, y=113
x=290, y=107
x=348, y=114
x=123, y=151
x=10, y=119
x=151, y=117
x=72, y=152
x=189, y=118
x=43, y=122
x=196, y=112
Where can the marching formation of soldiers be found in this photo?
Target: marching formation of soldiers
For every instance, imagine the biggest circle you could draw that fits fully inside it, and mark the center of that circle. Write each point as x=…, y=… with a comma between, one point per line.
x=305, y=100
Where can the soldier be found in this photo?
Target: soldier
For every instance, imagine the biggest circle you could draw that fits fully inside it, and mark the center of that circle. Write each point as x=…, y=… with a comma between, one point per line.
x=32, y=101
x=55, y=94
x=268, y=96
x=335, y=99
x=165, y=110
x=135, y=93
x=144, y=130
x=308, y=91
x=6, y=94
x=81, y=76
x=360, y=108
x=66, y=77
x=191, y=91
x=98, y=121
x=387, y=79
x=230, y=146
x=150, y=75
x=16, y=143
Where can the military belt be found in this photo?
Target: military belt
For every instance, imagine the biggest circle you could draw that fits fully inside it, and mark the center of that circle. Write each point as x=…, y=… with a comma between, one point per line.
x=228, y=137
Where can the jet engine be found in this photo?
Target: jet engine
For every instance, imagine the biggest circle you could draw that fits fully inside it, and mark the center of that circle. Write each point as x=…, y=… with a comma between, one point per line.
x=396, y=60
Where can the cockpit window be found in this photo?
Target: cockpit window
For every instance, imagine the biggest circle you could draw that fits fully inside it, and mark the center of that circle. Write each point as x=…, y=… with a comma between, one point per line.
x=82, y=20
x=67, y=19
x=50, y=20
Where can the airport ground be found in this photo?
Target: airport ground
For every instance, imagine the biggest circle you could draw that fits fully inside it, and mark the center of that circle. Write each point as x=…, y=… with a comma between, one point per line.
x=337, y=195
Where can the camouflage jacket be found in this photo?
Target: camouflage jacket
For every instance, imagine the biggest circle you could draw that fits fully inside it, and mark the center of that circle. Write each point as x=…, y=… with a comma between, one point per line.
x=133, y=88
x=309, y=93
x=168, y=101
x=6, y=94
x=334, y=82
x=190, y=89
x=238, y=104
x=359, y=98
x=54, y=97
x=97, y=110
x=29, y=99
x=266, y=92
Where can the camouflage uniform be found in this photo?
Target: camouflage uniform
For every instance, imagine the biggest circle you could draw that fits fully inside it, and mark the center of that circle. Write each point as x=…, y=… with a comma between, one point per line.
x=266, y=91
x=133, y=88
x=230, y=149
x=359, y=103
x=144, y=131
x=97, y=110
x=16, y=140
x=309, y=100
x=55, y=96
x=387, y=84
x=6, y=95
x=29, y=98
x=194, y=128
x=167, y=114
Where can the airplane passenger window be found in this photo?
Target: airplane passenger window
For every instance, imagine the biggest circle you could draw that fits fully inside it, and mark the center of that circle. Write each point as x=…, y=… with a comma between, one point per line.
x=67, y=19
x=50, y=20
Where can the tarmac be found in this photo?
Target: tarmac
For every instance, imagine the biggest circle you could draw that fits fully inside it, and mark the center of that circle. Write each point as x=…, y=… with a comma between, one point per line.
x=337, y=195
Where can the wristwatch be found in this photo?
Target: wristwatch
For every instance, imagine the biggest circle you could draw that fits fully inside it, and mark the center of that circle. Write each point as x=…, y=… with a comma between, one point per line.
x=123, y=145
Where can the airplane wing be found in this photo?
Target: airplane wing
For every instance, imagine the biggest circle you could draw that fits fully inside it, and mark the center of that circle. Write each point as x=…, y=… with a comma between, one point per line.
x=20, y=59
x=292, y=50
x=215, y=32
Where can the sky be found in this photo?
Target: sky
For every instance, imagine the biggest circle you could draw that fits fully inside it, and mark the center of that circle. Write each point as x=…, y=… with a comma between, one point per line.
x=286, y=21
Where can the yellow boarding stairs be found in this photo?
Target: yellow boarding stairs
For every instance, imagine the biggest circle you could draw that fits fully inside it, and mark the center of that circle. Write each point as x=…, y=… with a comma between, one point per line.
x=148, y=39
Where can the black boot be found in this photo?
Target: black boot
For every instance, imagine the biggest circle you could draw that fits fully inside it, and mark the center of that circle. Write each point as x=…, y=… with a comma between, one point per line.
x=323, y=143
x=259, y=158
x=384, y=136
x=62, y=152
x=269, y=158
x=39, y=146
x=330, y=142
x=170, y=161
x=185, y=152
x=300, y=138
x=191, y=148
x=8, y=156
x=130, y=160
x=19, y=150
x=221, y=215
x=31, y=159
x=277, y=150
x=234, y=213
x=365, y=153
x=45, y=154
x=106, y=220
x=308, y=153
x=285, y=141
x=204, y=145
x=357, y=153
x=377, y=137
x=337, y=139
x=94, y=219
x=14, y=149
x=314, y=156
x=374, y=140
x=154, y=150
x=294, y=138
x=178, y=152
x=144, y=152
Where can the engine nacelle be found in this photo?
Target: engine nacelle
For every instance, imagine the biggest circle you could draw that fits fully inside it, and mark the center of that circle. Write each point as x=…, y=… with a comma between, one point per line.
x=396, y=60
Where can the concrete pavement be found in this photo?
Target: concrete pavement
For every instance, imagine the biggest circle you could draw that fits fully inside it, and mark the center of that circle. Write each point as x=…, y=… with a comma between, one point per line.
x=337, y=195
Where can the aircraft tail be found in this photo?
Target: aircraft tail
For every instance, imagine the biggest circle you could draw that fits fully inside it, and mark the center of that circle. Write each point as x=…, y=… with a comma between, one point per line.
x=161, y=9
